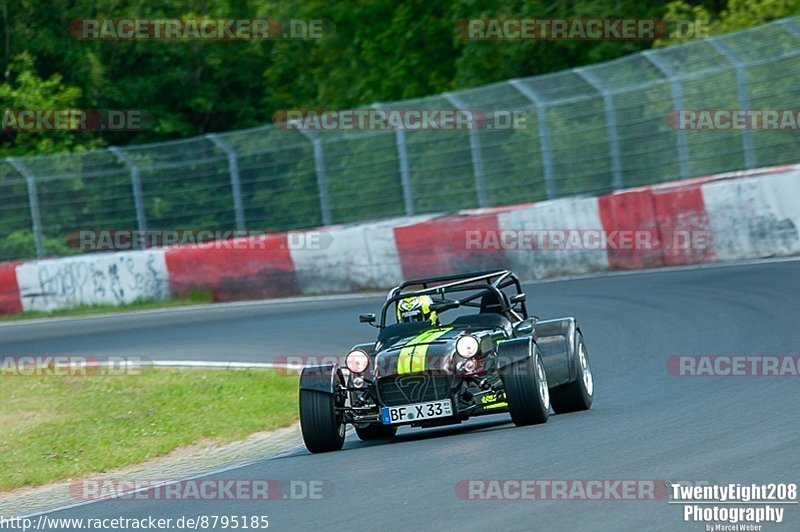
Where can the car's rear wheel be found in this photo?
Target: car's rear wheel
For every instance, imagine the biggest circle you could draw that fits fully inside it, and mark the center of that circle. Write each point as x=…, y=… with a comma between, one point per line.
x=526, y=391
x=576, y=395
x=376, y=432
x=323, y=429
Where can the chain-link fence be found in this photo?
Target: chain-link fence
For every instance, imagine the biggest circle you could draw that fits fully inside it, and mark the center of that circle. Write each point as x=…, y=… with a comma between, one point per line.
x=587, y=131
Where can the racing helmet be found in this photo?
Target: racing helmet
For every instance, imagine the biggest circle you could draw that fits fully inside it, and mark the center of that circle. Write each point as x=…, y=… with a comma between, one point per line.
x=415, y=308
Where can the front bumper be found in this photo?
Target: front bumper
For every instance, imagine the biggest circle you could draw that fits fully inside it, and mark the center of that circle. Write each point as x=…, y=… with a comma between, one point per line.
x=409, y=389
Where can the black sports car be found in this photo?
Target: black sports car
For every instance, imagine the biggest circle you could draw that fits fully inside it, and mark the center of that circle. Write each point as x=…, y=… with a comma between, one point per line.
x=422, y=372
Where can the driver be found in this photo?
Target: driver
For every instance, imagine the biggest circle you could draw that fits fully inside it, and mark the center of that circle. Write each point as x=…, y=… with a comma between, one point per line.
x=415, y=308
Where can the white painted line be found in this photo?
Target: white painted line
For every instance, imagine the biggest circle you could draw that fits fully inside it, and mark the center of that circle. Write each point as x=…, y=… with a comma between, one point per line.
x=210, y=364
x=75, y=365
x=84, y=363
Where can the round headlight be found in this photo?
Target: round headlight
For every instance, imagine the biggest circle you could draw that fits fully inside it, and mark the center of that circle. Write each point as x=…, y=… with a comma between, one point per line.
x=357, y=361
x=467, y=346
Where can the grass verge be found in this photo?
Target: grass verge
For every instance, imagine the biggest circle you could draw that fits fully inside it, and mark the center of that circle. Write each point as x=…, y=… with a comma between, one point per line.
x=61, y=427
x=195, y=298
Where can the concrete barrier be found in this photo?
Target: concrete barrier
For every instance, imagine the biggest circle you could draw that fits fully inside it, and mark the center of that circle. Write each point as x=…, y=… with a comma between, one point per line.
x=96, y=279
x=738, y=215
x=632, y=211
x=564, y=215
x=684, y=229
x=754, y=216
x=257, y=267
x=438, y=246
x=10, y=300
x=351, y=258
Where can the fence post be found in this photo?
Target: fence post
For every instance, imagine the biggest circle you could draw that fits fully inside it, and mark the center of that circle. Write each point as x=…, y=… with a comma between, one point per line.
x=677, y=98
x=611, y=124
x=136, y=185
x=33, y=202
x=544, y=134
x=402, y=163
x=744, y=98
x=475, y=150
x=236, y=187
x=405, y=174
x=789, y=25
x=322, y=176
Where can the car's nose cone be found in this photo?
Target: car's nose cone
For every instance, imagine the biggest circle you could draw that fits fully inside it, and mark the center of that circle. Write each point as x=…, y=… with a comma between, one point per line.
x=419, y=358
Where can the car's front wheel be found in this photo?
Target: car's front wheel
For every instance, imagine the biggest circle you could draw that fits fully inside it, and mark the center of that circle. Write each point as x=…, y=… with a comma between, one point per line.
x=322, y=427
x=526, y=391
x=376, y=432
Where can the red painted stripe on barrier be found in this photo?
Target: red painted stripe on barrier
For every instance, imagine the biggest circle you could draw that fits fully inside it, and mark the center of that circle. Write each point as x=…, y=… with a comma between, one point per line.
x=683, y=222
x=261, y=270
x=10, y=300
x=632, y=211
x=439, y=246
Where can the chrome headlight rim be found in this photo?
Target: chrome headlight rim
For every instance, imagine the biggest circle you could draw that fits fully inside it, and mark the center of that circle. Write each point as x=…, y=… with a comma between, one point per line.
x=357, y=361
x=468, y=346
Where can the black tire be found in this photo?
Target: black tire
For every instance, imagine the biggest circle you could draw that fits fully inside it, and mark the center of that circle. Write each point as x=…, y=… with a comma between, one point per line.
x=526, y=392
x=376, y=432
x=579, y=394
x=323, y=430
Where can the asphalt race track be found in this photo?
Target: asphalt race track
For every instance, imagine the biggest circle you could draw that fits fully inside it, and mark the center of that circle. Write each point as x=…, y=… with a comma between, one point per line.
x=645, y=424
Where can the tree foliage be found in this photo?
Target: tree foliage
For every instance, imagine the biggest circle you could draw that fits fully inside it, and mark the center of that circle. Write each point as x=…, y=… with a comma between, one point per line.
x=381, y=50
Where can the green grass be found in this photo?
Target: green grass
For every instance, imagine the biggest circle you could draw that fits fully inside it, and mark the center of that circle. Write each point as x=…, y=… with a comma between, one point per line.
x=55, y=428
x=195, y=298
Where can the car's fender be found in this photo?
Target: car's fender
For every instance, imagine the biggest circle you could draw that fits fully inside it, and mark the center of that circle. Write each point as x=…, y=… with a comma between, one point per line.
x=368, y=348
x=513, y=351
x=321, y=378
x=557, y=340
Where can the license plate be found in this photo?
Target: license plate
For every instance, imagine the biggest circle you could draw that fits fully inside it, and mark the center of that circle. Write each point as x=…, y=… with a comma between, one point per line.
x=416, y=412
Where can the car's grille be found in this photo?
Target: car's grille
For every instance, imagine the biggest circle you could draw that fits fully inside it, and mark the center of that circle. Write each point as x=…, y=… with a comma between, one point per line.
x=404, y=389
